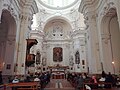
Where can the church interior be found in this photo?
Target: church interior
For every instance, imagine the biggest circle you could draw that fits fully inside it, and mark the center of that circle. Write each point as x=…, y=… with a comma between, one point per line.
x=60, y=39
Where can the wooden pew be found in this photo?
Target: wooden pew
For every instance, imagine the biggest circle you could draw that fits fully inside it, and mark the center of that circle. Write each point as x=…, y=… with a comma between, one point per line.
x=2, y=87
x=23, y=85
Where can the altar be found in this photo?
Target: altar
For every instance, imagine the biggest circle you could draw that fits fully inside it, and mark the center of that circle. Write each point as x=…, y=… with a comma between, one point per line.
x=58, y=75
x=58, y=72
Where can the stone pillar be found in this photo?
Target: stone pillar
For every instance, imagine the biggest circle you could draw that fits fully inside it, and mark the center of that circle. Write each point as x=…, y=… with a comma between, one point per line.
x=1, y=7
x=117, y=4
x=22, y=44
x=25, y=27
x=92, y=42
x=107, y=53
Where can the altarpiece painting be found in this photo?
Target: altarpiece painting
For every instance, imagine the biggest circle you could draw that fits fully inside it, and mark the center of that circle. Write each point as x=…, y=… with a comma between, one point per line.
x=57, y=54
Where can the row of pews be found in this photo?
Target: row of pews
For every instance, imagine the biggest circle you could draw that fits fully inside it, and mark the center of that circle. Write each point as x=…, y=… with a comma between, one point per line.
x=93, y=85
x=20, y=86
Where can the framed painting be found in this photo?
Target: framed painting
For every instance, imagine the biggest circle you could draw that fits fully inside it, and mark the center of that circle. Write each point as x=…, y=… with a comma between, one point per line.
x=57, y=54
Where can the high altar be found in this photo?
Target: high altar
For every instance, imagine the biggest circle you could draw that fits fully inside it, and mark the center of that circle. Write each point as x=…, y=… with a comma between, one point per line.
x=58, y=72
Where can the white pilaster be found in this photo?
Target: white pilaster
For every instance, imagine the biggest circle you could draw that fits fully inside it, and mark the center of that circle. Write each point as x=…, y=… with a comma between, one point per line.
x=26, y=20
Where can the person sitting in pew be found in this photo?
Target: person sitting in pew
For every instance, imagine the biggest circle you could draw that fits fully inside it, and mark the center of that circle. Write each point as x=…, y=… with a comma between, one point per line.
x=95, y=83
x=109, y=79
x=15, y=80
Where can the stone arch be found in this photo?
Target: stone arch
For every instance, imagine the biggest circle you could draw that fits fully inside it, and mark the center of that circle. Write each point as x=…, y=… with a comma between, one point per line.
x=61, y=27
x=56, y=18
x=109, y=36
x=7, y=40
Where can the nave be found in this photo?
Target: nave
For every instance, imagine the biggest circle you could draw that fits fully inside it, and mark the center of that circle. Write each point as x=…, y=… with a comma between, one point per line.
x=63, y=84
x=59, y=84
x=54, y=84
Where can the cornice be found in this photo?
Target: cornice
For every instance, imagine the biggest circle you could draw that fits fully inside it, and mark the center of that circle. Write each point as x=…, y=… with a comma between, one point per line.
x=78, y=33
x=33, y=5
x=58, y=41
x=37, y=33
x=28, y=4
x=88, y=5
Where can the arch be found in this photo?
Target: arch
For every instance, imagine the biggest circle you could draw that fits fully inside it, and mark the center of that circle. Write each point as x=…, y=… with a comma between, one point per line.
x=7, y=40
x=106, y=19
x=56, y=18
x=110, y=35
x=58, y=26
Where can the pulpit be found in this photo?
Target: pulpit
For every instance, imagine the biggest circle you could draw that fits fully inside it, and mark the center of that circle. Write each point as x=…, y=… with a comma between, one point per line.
x=30, y=58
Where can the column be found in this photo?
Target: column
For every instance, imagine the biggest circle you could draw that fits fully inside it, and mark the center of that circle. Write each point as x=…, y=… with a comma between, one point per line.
x=1, y=7
x=107, y=52
x=26, y=17
x=22, y=43
x=117, y=4
x=92, y=39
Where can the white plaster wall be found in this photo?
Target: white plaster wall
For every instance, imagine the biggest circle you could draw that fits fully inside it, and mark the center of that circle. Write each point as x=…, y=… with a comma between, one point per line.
x=115, y=35
x=98, y=52
x=49, y=54
x=79, y=45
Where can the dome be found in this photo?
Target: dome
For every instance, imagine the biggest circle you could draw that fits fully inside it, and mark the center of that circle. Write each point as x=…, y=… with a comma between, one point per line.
x=58, y=4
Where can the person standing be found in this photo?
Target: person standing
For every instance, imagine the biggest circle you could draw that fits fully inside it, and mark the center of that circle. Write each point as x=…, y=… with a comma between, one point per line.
x=1, y=80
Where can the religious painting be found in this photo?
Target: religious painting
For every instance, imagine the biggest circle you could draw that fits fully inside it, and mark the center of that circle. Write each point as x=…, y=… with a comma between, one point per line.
x=77, y=58
x=57, y=54
x=38, y=56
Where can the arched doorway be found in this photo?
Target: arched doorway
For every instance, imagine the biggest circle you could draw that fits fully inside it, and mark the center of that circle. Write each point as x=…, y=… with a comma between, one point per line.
x=7, y=42
x=110, y=42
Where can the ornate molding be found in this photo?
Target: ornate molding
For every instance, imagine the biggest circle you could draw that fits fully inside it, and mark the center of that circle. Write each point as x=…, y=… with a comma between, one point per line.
x=87, y=4
x=10, y=9
x=90, y=17
x=23, y=17
x=25, y=4
x=106, y=8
